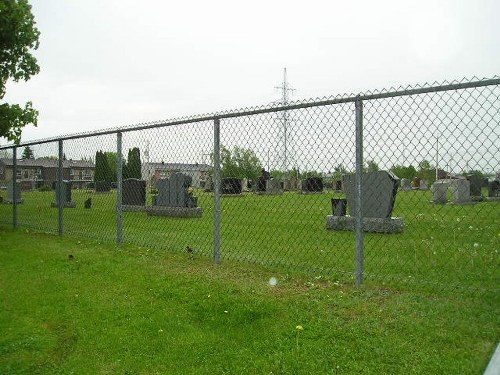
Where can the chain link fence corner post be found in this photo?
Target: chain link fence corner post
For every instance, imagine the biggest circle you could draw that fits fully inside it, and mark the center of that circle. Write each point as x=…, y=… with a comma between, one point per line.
x=217, y=182
x=119, y=208
x=359, y=183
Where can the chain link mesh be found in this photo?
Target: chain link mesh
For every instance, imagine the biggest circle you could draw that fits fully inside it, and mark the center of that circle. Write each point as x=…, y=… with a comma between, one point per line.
x=285, y=169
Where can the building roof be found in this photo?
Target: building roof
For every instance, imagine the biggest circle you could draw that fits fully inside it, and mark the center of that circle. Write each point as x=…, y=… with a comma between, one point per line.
x=180, y=166
x=46, y=163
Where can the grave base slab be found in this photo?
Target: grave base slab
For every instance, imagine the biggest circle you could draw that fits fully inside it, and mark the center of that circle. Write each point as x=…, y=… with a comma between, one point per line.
x=133, y=208
x=66, y=205
x=10, y=201
x=175, y=211
x=370, y=224
x=269, y=192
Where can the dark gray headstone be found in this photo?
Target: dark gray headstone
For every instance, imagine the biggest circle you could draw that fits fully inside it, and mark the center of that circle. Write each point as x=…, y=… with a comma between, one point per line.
x=378, y=194
x=339, y=206
x=231, y=185
x=312, y=185
x=494, y=189
x=10, y=192
x=63, y=192
x=102, y=186
x=63, y=195
x=476, y=184
x=163, y=197
x=178, y=190
x=174, y=192
x=134, y=192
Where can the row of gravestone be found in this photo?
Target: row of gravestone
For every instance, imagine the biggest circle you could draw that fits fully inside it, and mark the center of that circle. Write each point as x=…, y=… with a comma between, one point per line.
x=464, y=191
x=235, y=186
x=407, y=185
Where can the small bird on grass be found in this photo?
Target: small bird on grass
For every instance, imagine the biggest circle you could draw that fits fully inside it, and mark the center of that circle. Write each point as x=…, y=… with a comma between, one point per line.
x=190, y=251
x=71, y=257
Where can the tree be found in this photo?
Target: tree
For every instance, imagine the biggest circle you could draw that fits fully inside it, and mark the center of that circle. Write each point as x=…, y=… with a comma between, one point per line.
x=18, y=35
x=28, y=153
x=339, y=171
x=133, y=166
x=248, y=163
x=371, y=166
x=404, y=172
x=426, y=171
x=239, y=163
x=102, y=168
x=111, y=158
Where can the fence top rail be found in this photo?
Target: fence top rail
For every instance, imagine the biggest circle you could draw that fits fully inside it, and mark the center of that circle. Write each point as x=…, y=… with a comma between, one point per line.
x=278, y=107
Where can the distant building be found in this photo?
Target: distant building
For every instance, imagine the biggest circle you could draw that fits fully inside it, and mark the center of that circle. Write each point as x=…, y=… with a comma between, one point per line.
x=152, y=172
x=34, y=173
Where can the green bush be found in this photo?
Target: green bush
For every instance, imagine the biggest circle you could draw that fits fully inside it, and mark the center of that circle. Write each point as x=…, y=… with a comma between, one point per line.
x=44, y=188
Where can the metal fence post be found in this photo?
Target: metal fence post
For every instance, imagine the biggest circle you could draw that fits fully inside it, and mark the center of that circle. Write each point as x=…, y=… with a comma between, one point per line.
x=217, y=178
x=60, y=198
x=119, y=208
x=14, y=187
x=359, y=183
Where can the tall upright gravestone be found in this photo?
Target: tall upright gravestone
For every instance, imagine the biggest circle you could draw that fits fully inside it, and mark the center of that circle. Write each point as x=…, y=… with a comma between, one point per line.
x=378, y=196
x=10, y=192
x=63, y=193
x=133, y=194
x=175, y=198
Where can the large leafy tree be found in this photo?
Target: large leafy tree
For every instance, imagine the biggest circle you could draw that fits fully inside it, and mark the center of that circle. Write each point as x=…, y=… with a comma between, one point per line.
x=18, y=36
x=240, y=162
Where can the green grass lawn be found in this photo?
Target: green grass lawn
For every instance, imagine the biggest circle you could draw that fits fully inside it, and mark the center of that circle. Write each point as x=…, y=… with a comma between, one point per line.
x=141, y=310
x=442, y=247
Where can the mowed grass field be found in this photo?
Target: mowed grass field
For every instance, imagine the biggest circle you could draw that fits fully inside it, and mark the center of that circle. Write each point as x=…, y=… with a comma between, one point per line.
x=445, y=247
x=76, y=306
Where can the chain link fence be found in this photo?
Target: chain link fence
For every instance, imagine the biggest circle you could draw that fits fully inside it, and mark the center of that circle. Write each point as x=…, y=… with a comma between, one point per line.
x=394, y=187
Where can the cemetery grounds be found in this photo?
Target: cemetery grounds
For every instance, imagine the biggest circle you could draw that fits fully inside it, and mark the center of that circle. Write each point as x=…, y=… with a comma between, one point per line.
x=429, y=304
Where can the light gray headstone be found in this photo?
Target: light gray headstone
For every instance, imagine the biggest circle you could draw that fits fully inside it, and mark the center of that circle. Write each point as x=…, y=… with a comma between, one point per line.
x=440, y=191
x=424, y=185
x=378, y=194
x=273, y=186
x=460, y=190
x=405, y=184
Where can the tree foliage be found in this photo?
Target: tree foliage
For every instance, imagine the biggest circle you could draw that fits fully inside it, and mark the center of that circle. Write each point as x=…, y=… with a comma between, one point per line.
x=102, y=168
x=132, y=169
x=18, y=35
x=28, y=153
x=240, y=163
x=111, y=158
x=404, y=172
x=426, y=171
x=371, y=166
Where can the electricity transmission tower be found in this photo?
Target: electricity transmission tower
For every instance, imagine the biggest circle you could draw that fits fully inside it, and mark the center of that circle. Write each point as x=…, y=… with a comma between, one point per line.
x=285, y=157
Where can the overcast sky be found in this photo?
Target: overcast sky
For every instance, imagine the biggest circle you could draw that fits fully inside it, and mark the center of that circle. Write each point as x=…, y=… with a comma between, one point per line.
x=120, y=62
